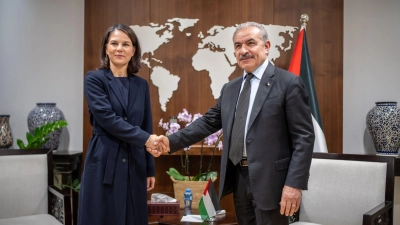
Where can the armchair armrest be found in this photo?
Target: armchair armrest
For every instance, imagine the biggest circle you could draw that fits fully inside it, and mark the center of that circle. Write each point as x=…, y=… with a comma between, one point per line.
x=295, y=217
x=380, y=214
x=60, y=204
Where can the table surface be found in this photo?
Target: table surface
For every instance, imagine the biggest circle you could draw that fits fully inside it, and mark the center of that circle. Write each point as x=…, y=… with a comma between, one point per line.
x=224, y=219
x=67, y=152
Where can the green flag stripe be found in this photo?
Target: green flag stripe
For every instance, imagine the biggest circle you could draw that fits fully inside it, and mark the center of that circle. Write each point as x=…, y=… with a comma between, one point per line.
x=306, y=75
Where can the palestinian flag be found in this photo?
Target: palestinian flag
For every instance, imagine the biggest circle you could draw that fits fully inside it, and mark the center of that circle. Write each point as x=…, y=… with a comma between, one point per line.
x=209, y=205
x=300, y=65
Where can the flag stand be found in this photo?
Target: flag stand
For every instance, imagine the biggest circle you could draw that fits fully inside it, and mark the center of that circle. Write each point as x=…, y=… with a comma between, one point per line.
x=211, y=219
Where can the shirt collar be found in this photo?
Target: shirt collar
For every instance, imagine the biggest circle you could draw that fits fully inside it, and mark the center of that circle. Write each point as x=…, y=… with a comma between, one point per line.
x=259, y=71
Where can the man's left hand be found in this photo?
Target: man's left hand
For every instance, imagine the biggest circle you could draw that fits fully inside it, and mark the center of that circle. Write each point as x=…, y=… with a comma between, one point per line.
x=290, y=200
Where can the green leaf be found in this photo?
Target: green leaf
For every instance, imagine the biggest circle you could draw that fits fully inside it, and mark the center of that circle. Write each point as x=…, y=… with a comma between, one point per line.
x=69, y=179
x=212, y=174
x=75, y=183
x=20, y=144
x=40, y=134
x=205, y=176
x=29, y=137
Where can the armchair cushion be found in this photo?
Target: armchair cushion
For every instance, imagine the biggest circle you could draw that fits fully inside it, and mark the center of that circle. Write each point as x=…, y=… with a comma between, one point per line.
x=41, y=219
x=301, y=223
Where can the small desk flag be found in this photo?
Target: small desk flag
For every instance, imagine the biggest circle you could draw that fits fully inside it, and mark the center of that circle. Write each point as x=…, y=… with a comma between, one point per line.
x=209, y=204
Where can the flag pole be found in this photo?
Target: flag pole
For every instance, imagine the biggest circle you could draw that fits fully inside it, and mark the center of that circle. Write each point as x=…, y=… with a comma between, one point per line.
x=300, y=65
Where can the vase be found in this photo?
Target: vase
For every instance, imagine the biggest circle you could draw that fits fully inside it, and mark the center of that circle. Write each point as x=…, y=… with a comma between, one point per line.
x=6, y=139
x=41, y=114
x=383, y=123
x=197, y=188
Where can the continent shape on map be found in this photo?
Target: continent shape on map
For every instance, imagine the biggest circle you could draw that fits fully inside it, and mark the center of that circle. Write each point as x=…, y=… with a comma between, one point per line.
x=162, y=78
x=216, y=52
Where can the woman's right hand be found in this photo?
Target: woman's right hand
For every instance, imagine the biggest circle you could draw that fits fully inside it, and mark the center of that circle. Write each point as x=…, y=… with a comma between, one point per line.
x=155, y=145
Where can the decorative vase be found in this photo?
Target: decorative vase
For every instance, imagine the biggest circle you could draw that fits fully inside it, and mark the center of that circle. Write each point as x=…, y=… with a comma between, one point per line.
x=6, y=139
x=197, y=188
x=41, y=114
x=383, y=123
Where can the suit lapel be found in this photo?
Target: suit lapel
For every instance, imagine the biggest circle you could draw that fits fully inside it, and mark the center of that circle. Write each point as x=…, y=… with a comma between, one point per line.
x=234, y=94
x=115, y=87
x=263, y=90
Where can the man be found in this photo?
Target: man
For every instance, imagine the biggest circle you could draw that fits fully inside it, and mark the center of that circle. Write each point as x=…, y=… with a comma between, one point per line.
x=270, y=131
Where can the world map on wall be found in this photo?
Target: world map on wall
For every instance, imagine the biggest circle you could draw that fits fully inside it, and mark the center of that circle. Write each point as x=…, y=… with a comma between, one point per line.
x=217, y=37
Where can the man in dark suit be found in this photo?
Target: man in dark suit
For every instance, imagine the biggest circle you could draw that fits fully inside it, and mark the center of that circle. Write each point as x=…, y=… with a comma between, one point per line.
x=270, y=131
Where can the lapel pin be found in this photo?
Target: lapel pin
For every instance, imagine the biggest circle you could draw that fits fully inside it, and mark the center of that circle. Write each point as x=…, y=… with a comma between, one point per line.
x=267, y=84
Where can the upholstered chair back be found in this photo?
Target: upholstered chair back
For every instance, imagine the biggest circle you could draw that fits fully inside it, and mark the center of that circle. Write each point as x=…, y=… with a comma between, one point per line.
x=24, y=185
x=342, y=187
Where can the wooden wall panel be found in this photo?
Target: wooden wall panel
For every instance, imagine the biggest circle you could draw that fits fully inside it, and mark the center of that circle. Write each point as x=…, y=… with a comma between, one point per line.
x=325, y=45
x=324, y=36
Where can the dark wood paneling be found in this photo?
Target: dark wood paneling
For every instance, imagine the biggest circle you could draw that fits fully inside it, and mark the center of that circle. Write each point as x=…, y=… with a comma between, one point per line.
x=324, y=36
x=99, y=16
x=325, y=45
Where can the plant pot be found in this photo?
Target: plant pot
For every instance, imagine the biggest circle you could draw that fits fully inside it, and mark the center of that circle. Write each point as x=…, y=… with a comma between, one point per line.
x=197, y=188
x=383, y=123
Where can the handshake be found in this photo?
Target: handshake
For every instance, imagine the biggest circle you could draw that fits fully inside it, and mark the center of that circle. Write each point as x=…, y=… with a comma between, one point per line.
x=156, y=145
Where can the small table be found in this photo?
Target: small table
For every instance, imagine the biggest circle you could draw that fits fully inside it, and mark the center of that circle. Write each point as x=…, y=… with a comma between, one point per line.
x=224, y=219
x=69, y=163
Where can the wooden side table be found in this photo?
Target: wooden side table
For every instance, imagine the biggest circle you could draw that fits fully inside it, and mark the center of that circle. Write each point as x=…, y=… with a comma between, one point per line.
x=224, y=219
x=69, y=163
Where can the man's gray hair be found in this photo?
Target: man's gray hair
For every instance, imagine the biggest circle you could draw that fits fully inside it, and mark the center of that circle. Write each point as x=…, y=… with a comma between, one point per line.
x=263, y=35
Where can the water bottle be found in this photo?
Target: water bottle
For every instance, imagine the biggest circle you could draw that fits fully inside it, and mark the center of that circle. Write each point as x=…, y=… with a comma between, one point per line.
x=187, y=201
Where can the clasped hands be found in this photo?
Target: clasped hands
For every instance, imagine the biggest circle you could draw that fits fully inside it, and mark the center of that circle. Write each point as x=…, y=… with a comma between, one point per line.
x=156, y=145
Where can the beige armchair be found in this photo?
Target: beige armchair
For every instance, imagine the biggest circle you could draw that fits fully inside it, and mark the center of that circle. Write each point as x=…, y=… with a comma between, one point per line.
x=27, y=194
x=348, y=190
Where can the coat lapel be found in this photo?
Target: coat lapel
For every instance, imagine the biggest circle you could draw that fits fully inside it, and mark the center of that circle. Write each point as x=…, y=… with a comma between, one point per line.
x=263, y=90
x=133, y=89
x=114, y=86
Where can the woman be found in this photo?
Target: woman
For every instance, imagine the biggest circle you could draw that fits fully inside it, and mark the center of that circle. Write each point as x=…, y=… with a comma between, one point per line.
x=118, y=170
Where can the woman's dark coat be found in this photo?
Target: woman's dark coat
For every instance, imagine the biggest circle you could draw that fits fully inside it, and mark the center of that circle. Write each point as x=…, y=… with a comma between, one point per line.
x=116, y=152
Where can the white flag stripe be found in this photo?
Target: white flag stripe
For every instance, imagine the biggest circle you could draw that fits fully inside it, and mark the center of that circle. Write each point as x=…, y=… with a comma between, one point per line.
x=319, y=143
x=209, y=205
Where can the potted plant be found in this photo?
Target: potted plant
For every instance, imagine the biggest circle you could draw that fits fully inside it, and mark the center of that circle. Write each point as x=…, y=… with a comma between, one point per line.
x=40, y=135
x=182, y=180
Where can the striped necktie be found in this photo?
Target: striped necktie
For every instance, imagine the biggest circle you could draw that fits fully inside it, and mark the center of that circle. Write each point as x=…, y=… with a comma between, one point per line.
x=237, y=138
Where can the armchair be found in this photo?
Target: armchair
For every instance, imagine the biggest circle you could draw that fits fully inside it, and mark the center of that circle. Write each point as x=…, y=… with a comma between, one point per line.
x=348, y=189
x=27, y=194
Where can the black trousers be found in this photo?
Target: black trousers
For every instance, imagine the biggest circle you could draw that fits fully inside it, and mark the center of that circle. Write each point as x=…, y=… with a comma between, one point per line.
x=247, y=212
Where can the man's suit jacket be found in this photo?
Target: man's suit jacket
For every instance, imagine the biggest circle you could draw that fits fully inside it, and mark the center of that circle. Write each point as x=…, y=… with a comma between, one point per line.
x=279, y=140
